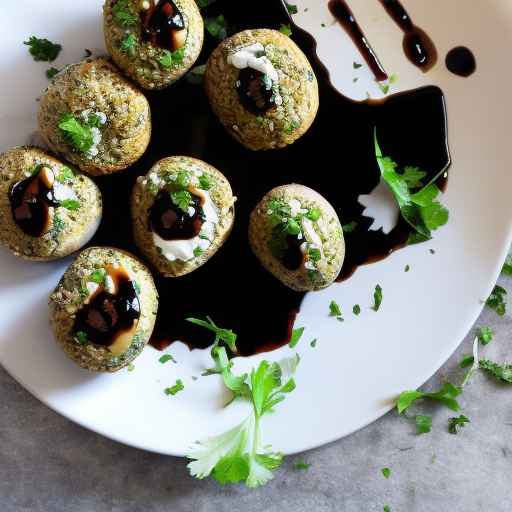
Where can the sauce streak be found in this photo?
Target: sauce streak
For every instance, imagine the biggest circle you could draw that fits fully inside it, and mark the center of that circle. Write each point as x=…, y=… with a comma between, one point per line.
x=161, y=22
x=418, y=46
x=31, y=200
x=336, y=157
x=342, y=12
x=461, y=61
x=107, y=316
x=254, y=92
x=172, y=223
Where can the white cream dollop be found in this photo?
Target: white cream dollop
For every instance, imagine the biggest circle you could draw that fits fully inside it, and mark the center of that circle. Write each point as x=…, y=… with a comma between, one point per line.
x=183, y=250
x=247, y=57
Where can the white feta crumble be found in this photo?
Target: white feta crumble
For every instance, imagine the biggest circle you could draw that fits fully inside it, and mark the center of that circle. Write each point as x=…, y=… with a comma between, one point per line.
x=253, y=56
x=295, y=207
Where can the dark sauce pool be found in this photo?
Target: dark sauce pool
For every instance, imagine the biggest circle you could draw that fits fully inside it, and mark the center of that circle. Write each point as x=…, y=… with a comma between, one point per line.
x=336, y=158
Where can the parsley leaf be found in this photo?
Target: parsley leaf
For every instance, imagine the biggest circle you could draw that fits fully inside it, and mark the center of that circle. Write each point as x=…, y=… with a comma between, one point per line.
x=169, y=59
x=292, y=8
x=301, y=465
x=386, y=472
x=43, y=49
x=502, y=372
x=98, y=276
x=198, y=251
x=334, y=310
x=496, y=300
x=446, y=395
x=507, y=266
x=70, y=204
x=296, y=335
x=386, y=508
x=454, y=424
x=182, y=199
x=65, y=174
x=285, y=29
x=51, y=72
x=356, y=309
x=225, y=335
x=217, y=27
x=76, y=133
x=413, y=176
x=123, y=14
x=484, y=335
x=205, y=182
x=423, y=424
x=356, y=65
x=128, y=44
x=166, y=358
x=238, y=455
x=466, y=361
x=176, y=388
x=377, y=298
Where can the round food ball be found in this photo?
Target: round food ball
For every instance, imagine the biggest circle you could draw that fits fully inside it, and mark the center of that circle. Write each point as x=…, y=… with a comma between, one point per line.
x=95, y=118
x=297, y=236
x=104, y=308
x=182, y=212
x=155, y=42
x=48, y=211
x=262, y=88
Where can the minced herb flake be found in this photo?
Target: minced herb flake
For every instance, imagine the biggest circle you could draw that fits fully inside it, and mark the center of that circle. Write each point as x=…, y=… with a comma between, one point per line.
x=43, y=49
x=176, y=388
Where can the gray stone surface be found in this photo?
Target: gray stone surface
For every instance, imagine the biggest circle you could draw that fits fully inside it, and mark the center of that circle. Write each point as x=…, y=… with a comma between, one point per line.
x=48, y=464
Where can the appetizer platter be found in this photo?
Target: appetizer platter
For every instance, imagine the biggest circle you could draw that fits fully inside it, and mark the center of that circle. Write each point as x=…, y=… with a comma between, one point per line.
x=212, y=209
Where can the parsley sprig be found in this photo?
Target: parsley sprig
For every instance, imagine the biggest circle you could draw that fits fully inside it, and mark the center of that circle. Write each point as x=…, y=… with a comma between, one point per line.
x=79, y=134
x=42, y=49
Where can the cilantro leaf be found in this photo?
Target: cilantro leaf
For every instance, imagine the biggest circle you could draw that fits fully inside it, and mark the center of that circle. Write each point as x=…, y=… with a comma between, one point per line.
x=225, y=335
x=507, y=266
x=285, y=29
x=182, y=199
x=98, y=276
x=176, y=388
x=205, y=182
x=423, y=424
x=217, y=27
x=413, y=176
x=166, y=358
x=128, y=44
x=484, y=335
x=466, y=361
x=76, y=133
x=43, y=49
x=51, y=72
x=454, y=424
x=502, y=372
x=335, y=310
x=296, y=335
x=70, y=204
x=386, y=508
x=65, y=175
x=198, y=251
x=169, y=59
x=292, y=8
x=377, y=298
x=496, y=300
x=446, y=395
x=386, y=472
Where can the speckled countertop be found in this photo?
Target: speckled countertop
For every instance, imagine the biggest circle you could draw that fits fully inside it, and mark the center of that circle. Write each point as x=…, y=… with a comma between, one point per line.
x=48, y=464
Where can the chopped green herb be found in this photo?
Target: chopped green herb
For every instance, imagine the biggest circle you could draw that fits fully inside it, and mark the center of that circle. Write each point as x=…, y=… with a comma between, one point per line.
x=285, y=29
x=128, y=44
x=98, y=276
x=507, y=266
x=131, y=367
x=182, y=199
x=51, y=72
x=314, y=254
x=43, y=49
x=136, y=287
x=76, y=133
x=446, y=395
x=196, y=74
x=432, y=251
x=198, y=251
x=383, y=87
x=423, y=424
x=205, y=182
x=386, y=472
x=407, y=268
x=377, y=298
x=323, y=25
x=386, y=508
x=166, y=358
x=496, y=300
x=413, y=176
x=301, y=465
x=217, y=27
x=183, y=179
x=355, y=79
x=502, y=372
x=70, y=204
x=335, y=310
x=123, y=14
x=313, y=343
x=455, y=424
x=296, y=336
x=176, y=388
x=225, y=335
x=349, y=228
x=356, y=65
x=466, y=361
x=356, y=309
x=484, y=335
x=81, y=338
x=292, y=9
x=169, y=59
x=314, y=214
x=65, y=174
x=58, y=224
x=291, y=127
x=393, y=78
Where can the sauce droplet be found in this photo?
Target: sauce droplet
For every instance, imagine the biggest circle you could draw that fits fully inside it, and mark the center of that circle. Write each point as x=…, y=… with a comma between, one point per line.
x=31, y=200
x=163, y=24
x=461, y=61
x=255, y=91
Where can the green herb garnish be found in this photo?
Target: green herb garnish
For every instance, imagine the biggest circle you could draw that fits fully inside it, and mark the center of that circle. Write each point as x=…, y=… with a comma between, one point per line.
x=70, y=204
x=292, y=8
x=296, y=335
x=496, y=300
x=98, y=276
x=407, y=268
x=198, y=251
x=182, y=199
x=356, y=65
x=335, y=310
x=81, y=338
x=356, y=309
x=507, y=266
x=169, y=59
x=502, y=372
x=217, y=27
x=43, y=49
x=225, y=335
x=183, y=179
x=466, y=361
x=446, y=395
x=51, y=72
x=205, y=182
x=377, y=298
x=130, y=367
x=58, y=224
x=176, y=388
x=76, y=133
x=65, y=174
x=350, y=227
x=455, y=424
x=285, y=29
x=312, y=344
x=123, y=14
x=386, y=472
x=301, y=465
x=423, y=424
x=166, y=358
x=484, y=335
x=128, y=44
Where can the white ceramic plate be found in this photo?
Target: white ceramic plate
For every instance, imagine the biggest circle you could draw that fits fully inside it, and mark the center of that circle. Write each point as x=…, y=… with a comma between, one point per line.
x=350, y=378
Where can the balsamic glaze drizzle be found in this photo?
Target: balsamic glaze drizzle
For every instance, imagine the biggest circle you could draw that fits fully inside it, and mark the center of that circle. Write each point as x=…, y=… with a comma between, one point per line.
x=461, y=61
x=161, y=22
x=335, y=157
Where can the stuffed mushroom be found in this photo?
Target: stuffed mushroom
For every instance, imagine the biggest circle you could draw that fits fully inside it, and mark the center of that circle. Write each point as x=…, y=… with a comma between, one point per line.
x=155, y=42
x=297, y=236
x=94, y=117
x=262, y=88
x=103, y=310
x=183, y=211
x=48, y=210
